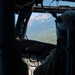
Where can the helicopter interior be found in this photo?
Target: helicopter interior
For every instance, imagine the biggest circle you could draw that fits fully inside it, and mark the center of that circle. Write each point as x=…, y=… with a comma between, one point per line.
x=22, y=56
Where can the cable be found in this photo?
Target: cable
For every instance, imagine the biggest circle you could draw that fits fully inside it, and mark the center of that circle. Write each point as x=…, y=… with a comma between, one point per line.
x=57, y=3
x=51, y=3
x=52, y=12
x=43, y=7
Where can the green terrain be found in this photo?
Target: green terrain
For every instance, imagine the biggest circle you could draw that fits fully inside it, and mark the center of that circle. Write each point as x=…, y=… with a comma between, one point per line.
x=42, y=28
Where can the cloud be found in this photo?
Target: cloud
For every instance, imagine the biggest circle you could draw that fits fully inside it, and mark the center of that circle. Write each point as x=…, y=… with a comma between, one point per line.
x=40, y=17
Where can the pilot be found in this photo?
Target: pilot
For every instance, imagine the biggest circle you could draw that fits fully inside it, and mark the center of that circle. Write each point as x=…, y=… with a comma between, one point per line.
x=50, y=66
x=68, y=19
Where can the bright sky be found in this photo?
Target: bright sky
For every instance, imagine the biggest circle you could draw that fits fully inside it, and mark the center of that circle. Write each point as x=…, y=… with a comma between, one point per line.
x=47, y=2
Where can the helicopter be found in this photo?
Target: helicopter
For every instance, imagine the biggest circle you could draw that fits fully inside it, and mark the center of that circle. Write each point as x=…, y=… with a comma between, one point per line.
x=14, y=48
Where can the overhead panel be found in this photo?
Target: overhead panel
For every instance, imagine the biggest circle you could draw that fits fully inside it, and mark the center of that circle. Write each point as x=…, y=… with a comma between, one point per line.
x=53, y=8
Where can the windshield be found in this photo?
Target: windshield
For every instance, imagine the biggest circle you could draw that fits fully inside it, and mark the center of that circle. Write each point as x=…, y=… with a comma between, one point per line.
x=41, y=27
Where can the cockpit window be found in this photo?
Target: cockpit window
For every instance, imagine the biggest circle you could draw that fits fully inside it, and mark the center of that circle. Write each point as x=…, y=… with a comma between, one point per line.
x=41, y=27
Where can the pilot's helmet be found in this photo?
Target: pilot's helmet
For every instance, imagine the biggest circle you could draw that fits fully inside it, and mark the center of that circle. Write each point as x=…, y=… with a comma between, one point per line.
x=66, y=23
